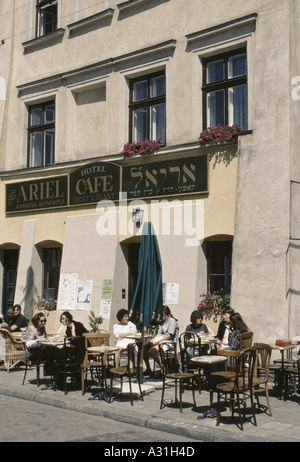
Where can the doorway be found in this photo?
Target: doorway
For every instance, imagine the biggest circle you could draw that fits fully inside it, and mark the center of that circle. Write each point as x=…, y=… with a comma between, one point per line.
x=10, y=267
x=133, y=262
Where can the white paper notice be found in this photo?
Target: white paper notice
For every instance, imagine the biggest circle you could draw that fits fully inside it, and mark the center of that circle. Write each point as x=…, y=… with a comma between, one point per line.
x=67, y=291
x=171, y=293
x=105, y=308
x=84, y=294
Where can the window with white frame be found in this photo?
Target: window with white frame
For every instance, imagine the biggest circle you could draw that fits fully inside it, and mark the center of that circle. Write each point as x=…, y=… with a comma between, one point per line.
x=46, y=20
x=41, y=134
x=225, y=92
x=147, y=107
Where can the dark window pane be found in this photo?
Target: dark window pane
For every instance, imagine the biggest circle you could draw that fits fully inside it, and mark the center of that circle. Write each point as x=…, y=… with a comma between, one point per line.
x=140, y=122
x=238, y=106
x=48, y=19
x=158, y=117
x=219, y=258
x=237, y=65
x=36, y=149
x=49, y=146
x=140, y=91
x=50, y=113
x=216, y=108
x=158, y=86
x=37, y=116
x=52, y=262
x=215, y=71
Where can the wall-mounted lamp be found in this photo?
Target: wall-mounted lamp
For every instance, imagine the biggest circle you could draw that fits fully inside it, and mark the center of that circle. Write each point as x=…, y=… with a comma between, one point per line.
x=137, y=216
x=2, y=42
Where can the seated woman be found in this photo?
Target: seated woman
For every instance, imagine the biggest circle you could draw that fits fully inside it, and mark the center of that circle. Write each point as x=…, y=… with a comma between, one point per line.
x=197, y=325
x=121, y=330
x=168, y=331
x=198, y=328
x=238, y=326
x=34, y=338
x=224, y=329
x=74, y=329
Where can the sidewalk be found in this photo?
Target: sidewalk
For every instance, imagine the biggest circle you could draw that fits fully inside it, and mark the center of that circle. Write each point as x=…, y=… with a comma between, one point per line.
x=283, y=426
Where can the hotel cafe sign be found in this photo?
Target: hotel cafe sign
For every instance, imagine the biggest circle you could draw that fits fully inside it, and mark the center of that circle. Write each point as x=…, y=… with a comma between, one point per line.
x=97, y=181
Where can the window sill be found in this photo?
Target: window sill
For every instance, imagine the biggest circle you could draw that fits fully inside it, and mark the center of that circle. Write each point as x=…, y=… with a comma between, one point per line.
x=47, y=39
x=91, y=20
x=130, y=3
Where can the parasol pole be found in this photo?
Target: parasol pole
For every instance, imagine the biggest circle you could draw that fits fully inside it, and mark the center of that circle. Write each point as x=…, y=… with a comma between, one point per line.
x=142, y=358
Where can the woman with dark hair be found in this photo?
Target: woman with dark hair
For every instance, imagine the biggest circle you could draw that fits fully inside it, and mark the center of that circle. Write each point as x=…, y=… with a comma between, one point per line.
x=34, y=338
x=196, y=325
x=167, y=332
x=121, y=330
x=74, y=329
x=224, y=328
x=238, y=326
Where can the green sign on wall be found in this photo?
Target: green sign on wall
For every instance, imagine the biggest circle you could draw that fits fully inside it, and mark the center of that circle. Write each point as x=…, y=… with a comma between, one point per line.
x=95, y=182
x=38, y=194
x=182, y=176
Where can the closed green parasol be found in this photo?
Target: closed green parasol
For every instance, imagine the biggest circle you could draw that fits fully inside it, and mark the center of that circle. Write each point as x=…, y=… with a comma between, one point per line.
x=147, y=305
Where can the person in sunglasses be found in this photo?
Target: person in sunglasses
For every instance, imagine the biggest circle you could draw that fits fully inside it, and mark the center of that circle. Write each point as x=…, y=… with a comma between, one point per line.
x=34, y=338
x=16, y=321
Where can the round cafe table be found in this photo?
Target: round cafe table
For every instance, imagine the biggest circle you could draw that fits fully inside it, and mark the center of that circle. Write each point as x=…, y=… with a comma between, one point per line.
x=101, y=351
x=206, y=362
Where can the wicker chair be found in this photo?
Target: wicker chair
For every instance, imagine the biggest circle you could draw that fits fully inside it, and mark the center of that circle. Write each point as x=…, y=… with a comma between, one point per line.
x=11, y=351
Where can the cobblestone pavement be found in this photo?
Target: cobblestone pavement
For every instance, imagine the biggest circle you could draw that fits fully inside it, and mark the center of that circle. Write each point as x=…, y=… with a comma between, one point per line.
x=23, y=421
x=282, y=426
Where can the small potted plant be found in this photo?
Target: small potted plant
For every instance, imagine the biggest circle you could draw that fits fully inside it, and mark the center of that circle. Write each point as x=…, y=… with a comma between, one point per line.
x=95, y=321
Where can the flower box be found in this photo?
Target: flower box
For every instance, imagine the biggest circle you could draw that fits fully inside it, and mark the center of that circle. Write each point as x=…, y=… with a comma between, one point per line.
x=141, y=148
x=219, y=134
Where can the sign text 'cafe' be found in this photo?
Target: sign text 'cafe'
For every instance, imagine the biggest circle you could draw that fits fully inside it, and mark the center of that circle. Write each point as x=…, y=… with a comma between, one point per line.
x=105, y=180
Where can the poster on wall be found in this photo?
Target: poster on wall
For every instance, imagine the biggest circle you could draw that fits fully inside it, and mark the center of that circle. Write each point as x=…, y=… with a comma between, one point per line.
x=105, y=308
x=106, y=298
x=67, y=291
x=171, y=293
x=84, y=294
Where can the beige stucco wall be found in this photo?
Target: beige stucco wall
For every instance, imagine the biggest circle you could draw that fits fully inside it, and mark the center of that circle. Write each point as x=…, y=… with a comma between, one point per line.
x=249, y=197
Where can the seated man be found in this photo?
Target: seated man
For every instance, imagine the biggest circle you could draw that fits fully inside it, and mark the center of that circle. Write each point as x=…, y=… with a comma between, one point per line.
x=8, y=318
x=18, y=321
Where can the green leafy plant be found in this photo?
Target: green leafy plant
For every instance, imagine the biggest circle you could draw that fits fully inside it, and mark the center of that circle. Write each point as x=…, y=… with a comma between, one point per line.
x=214, y=303
x=95, y=321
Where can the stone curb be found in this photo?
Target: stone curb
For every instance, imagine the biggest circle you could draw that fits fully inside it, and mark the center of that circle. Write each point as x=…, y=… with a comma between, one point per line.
x=196, y=432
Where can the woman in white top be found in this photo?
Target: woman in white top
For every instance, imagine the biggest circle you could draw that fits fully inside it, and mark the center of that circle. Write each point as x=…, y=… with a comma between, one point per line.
x=121, y=330
x=168, y=331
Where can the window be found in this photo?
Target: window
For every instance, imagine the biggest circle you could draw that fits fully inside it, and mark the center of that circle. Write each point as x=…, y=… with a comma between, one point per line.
x=41, y=134
x=219, y=258
x=225, y=96
x=51, y=264
x=46, y=17
x=148, y=108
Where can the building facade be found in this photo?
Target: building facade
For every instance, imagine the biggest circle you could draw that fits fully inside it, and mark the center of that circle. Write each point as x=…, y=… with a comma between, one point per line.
x=81, y=79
